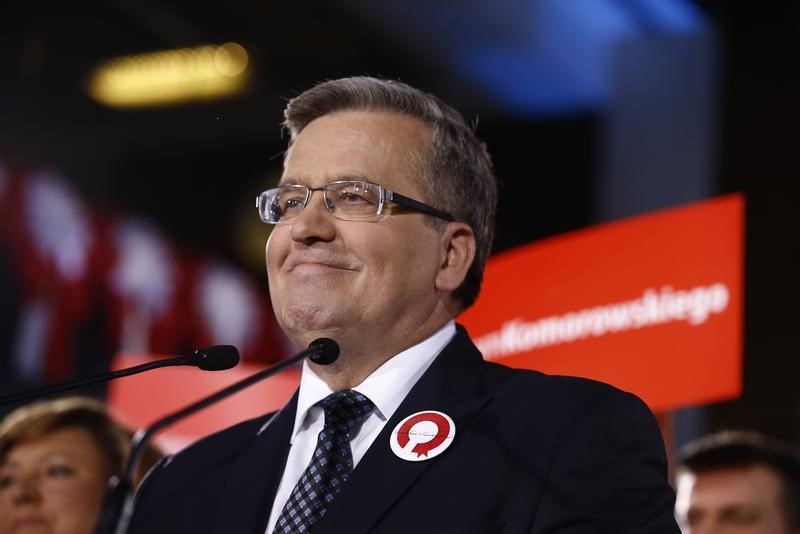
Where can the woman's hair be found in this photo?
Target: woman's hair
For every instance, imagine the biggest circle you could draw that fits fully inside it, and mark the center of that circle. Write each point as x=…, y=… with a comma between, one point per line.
x=33, y=421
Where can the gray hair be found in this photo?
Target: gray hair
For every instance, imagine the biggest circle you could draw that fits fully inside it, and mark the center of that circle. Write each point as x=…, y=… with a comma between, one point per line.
x=457, y=173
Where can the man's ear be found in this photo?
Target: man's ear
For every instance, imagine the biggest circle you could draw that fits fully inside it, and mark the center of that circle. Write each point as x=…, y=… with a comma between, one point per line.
x=458, y=251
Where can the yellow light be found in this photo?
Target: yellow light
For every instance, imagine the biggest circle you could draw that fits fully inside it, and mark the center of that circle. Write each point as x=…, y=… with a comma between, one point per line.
x=171, y=76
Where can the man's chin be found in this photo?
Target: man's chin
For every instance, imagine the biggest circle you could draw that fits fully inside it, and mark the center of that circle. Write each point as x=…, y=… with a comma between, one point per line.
x=304, y=325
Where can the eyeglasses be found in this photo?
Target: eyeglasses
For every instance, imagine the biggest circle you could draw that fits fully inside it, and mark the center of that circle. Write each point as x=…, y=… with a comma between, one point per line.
x=348, y=200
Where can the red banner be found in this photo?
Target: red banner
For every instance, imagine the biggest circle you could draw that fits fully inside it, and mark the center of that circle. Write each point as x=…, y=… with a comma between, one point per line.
x=651, y=304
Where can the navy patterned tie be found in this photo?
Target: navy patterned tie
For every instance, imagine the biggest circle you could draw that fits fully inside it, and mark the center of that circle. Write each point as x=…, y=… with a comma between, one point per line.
x=330, y=465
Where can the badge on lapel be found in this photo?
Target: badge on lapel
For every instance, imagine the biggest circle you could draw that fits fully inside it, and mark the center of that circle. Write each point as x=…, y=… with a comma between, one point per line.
x=422, y=436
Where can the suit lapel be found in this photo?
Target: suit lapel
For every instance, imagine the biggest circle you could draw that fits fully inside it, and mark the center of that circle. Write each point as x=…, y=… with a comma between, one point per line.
x=254, y=477
x=451, y=385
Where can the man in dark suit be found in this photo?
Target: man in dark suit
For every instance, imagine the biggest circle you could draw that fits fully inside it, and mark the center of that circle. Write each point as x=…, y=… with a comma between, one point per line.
x=384, y=218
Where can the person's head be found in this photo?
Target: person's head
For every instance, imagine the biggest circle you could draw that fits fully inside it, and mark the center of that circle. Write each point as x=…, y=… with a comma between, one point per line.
x=737, y=481
x=56, y=457
x=407, y=265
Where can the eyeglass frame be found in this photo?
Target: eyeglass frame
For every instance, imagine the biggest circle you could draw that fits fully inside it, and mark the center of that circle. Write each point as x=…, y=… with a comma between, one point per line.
x=385, y=194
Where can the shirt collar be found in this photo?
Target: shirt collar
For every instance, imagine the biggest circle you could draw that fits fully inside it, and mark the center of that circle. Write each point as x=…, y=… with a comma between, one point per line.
x=386, y=387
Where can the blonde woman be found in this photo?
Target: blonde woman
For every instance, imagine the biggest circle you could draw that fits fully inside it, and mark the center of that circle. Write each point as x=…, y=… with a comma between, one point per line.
x=56, y=457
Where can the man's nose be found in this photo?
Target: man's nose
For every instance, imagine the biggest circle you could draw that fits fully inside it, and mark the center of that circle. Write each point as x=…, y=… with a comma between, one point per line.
x=315, y=222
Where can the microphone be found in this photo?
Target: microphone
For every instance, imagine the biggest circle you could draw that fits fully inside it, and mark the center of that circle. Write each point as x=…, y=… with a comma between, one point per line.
x=215, y=358
x=324, y=351
x=118, y=506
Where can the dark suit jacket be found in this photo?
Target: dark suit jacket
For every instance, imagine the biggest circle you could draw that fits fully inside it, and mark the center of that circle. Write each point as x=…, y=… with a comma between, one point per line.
x=532, y=453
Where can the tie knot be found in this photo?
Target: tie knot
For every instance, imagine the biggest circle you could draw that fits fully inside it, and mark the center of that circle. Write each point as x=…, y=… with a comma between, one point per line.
x=345, y=409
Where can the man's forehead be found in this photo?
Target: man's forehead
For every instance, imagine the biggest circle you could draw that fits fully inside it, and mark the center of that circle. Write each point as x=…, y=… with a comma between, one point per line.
x=749, y=483
x=380, y=147
x=375, y=132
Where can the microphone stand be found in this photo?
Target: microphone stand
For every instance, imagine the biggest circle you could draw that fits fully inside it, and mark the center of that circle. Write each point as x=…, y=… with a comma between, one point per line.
x=49, y=390
x=118, y=506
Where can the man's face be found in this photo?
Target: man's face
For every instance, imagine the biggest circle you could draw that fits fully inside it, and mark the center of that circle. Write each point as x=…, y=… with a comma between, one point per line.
x=357, y=282
x=741, y=500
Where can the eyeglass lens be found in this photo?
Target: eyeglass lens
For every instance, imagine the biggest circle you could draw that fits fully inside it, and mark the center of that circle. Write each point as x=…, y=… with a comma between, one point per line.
x=352, y=200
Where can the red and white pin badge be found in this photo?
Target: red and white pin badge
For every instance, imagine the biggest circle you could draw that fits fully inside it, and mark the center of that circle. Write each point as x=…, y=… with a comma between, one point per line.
x=422, y=436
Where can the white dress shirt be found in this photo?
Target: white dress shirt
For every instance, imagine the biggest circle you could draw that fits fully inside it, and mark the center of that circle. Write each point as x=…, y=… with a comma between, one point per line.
x=386, y=387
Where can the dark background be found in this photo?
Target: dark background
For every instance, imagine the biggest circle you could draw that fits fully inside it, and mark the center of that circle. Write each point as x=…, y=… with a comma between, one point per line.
x=194, y=169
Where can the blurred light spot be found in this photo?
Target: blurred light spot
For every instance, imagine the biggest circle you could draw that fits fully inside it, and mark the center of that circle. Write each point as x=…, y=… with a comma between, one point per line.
x=171, y=76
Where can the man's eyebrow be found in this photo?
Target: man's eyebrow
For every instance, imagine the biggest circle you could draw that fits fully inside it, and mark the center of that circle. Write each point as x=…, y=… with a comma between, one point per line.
x=328, y=179
x=352, y=176
x=736, y=508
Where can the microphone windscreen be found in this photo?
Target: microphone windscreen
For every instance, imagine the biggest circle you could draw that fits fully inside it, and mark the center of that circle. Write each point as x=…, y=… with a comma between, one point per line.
x=217, y=358
x=323, y=351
